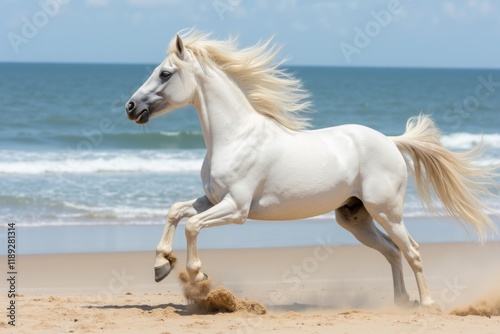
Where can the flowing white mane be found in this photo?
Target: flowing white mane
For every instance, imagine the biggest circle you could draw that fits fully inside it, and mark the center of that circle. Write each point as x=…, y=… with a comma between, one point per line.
x=271, y=90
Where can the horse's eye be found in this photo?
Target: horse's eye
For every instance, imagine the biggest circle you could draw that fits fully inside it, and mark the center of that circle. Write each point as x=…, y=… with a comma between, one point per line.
x=165, y=75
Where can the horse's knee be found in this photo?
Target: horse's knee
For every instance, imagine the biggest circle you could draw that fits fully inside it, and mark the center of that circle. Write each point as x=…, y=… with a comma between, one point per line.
x=175, y=211
x=192, y=227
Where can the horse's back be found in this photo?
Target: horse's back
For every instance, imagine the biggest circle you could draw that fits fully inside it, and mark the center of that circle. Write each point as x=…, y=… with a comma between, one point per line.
x=370, y=144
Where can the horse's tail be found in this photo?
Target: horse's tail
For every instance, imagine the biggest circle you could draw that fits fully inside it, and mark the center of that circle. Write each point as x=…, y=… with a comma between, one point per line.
x=456, y=181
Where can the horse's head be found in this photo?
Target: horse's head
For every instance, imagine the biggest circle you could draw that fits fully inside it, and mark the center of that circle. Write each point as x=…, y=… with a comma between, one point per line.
x=171, y=85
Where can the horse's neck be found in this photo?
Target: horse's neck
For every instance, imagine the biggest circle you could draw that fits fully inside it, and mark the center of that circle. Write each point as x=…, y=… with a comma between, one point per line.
x=223, y=109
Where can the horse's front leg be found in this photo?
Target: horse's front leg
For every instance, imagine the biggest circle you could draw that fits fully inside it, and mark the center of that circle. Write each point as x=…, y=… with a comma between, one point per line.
x=226, y=212
x=178, y=211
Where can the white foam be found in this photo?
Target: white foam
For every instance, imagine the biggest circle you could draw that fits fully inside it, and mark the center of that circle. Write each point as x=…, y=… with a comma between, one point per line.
x=179, y=133
x=119, y=211
x=100, y=162
x=65, y=223
x=174, y=161
x=465, y=141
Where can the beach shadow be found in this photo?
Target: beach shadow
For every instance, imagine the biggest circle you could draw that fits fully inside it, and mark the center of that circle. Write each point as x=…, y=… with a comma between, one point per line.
x=178, y=308
x=295, y=307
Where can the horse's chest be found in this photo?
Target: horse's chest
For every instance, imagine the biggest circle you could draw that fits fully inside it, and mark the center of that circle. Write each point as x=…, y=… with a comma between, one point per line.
x=217, y=180
x=214, y=188
x=220, y=176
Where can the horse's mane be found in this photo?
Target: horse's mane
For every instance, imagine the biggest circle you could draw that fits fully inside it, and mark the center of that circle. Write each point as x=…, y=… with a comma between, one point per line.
x=270, y=89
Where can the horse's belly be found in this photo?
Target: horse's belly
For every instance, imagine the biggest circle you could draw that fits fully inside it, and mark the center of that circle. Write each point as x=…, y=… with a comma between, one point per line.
x=297, y=207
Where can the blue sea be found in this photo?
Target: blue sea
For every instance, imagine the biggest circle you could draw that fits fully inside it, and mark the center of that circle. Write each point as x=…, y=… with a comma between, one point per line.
x=77, y=175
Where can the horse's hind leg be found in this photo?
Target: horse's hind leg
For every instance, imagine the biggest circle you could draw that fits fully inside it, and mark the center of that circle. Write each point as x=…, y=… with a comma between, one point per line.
x=392, y=222
x=354, y=218
x=164, y=258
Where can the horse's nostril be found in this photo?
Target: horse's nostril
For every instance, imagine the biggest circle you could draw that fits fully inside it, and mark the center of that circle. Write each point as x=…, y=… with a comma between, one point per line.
x=130, y=106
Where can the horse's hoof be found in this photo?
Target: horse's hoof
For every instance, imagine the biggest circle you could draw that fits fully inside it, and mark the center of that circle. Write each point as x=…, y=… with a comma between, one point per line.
x=431, y=308
x=406, y=303
x=162, y=271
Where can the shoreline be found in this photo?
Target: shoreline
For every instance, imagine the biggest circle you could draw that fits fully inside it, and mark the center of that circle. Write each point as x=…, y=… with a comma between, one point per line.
x=140, y=264
x=252, y=234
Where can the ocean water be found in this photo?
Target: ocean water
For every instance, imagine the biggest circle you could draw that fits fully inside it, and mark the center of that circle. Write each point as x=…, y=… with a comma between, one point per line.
x=70, y=157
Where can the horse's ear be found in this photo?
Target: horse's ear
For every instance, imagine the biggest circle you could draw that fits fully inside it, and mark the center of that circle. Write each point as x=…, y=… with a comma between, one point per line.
x=179, y=46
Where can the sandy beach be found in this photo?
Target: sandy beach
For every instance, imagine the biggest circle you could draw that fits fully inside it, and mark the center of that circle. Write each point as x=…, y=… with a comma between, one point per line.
x=322, y=289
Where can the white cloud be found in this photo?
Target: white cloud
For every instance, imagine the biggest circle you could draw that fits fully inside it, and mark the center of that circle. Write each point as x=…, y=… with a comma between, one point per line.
x=153, y=3
x=298, y=26
x=469, y=12
x=484, y=7
x=286, y=5
x=328, y=6
x=97, y=3
x=137, y=18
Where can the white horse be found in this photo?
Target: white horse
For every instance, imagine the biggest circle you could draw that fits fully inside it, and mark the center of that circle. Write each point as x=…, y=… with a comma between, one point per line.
x=261, y=163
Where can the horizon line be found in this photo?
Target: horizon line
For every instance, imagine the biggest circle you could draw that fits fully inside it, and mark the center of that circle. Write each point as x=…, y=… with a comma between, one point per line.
x=286, y=65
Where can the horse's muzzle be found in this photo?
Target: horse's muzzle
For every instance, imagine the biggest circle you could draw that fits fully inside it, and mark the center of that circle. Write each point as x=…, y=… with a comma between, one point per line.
x=140, y=116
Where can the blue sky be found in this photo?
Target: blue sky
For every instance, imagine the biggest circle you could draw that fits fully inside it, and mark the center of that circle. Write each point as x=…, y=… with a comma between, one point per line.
x=426, y=33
